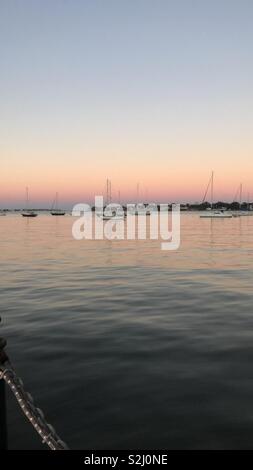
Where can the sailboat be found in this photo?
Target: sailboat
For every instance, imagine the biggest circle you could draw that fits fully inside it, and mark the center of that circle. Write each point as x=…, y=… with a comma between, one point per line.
x=243, y=213
x=237, y=213
x=115, y=214
x=214, y=214
x=55, y=210
x=27, y=212
x=249, y=208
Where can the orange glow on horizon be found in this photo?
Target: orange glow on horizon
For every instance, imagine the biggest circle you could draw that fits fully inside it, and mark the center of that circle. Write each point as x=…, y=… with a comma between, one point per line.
x=154, y=186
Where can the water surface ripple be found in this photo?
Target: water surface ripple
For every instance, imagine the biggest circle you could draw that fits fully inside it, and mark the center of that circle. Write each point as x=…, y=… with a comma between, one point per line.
x=126, y=346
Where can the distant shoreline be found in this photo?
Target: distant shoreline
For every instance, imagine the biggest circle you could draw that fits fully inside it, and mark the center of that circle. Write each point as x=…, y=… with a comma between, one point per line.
x=187, y=207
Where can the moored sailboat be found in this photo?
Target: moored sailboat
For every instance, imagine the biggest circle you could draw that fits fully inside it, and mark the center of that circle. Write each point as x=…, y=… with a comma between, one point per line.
x=27, y=212
x=111, y=213
x=214, y=214
x=55, y=210
x=243, y=212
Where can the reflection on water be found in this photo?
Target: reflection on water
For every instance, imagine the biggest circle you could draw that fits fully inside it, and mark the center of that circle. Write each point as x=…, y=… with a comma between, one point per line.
x=127, y=346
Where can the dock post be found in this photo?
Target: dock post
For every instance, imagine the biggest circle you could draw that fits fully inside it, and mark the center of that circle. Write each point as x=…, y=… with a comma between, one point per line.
x=3, y=418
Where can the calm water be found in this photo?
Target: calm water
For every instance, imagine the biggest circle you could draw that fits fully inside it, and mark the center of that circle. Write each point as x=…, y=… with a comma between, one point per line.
x=126, y=346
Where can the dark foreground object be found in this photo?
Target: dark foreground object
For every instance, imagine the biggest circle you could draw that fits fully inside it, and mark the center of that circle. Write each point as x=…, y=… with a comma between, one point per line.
x=3, y=420
x=34, y=415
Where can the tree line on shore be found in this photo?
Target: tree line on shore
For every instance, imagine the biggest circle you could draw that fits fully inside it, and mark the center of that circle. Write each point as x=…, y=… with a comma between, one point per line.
x=233, y=206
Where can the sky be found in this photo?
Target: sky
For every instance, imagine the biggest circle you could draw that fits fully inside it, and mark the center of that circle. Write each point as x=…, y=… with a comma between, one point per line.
x=158, y=93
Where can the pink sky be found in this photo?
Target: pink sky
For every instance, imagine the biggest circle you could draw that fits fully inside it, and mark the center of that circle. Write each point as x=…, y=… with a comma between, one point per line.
x=126, y=91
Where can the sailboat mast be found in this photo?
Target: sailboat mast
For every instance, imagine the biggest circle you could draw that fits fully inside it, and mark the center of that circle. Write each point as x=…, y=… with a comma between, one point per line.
x=56, y=201
x=108, y=191
x=240, y=195
x=212, y=190
x=27, y=197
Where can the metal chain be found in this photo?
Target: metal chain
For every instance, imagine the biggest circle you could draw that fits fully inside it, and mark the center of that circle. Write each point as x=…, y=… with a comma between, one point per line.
x=33, y=414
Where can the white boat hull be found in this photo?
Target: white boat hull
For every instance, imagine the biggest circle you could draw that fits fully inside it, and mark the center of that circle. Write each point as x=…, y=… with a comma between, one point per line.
x=218, y=215
x=29, y=214
x=245, y=214
x=108, y=217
